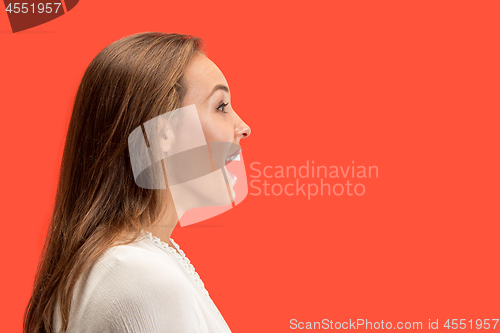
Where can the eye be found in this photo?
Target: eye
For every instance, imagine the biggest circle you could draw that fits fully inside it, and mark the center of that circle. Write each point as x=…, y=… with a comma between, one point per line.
x=222, y=106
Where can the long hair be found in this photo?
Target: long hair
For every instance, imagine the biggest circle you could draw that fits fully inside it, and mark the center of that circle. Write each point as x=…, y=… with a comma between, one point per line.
x=129, y=82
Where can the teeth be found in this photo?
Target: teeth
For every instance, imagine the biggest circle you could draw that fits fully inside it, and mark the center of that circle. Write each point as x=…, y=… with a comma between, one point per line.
x=233, y=158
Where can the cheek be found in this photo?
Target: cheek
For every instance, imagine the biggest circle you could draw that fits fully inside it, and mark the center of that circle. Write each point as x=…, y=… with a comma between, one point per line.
x=216, y=128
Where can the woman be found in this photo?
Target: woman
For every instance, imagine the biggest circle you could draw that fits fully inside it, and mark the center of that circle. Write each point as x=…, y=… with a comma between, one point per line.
x=108, y=256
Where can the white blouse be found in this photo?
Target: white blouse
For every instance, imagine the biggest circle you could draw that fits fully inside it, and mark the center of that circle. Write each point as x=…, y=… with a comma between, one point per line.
x=142, y=287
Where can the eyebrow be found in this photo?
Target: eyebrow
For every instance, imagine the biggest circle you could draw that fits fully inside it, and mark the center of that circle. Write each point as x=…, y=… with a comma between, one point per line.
x=218, y=87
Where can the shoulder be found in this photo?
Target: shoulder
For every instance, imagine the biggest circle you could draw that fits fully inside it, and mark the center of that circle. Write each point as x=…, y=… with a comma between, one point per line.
x=131, y=286
x=136, y=265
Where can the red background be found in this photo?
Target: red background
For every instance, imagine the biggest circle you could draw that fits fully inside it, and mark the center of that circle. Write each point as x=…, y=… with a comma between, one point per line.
x=411, y=87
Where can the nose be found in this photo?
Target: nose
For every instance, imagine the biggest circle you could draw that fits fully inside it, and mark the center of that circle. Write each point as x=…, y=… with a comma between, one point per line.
x=242, y=131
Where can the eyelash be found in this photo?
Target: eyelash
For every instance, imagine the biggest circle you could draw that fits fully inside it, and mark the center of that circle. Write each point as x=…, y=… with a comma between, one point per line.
x=223, y=106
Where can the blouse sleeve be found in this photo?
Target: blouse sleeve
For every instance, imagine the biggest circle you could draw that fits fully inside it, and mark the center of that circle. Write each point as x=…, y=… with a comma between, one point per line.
x=141, y=295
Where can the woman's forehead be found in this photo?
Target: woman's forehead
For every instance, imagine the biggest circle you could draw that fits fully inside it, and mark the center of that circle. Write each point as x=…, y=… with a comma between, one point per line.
x=201, y=75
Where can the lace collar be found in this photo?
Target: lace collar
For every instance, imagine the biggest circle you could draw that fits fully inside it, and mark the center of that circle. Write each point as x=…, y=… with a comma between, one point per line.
x=181, y=257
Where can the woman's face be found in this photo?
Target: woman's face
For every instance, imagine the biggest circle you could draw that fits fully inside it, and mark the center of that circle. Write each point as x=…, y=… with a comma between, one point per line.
x=207, y=88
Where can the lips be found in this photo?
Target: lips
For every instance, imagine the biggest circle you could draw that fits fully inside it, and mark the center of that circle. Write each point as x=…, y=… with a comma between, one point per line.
x=233, y=157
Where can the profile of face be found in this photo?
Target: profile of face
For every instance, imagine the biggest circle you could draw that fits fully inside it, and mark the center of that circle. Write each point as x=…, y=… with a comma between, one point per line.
x=191, y=150
x=208, y=90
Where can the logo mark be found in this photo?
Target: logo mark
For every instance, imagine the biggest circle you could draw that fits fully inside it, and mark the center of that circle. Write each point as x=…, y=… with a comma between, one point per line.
x=26, y=15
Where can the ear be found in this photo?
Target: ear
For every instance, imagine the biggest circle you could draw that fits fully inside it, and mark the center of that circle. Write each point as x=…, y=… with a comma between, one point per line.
x=166, y=140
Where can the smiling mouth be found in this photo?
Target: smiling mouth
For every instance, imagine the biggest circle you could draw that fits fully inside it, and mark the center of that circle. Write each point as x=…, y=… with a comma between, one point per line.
x=233, y=157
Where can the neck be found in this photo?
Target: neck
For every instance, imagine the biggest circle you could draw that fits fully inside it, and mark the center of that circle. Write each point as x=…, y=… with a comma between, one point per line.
x=165, y=226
